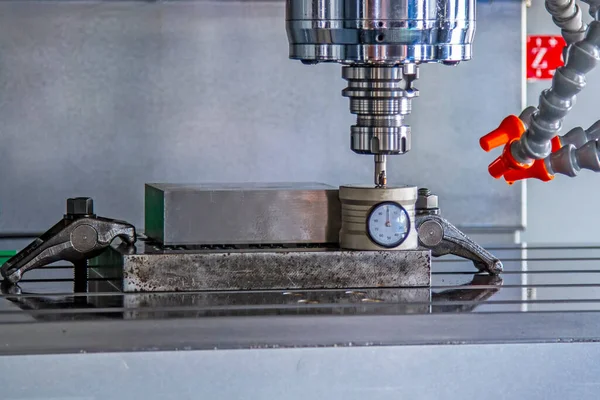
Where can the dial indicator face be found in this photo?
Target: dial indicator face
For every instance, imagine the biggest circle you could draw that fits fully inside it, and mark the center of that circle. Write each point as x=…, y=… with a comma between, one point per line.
x=388, y=224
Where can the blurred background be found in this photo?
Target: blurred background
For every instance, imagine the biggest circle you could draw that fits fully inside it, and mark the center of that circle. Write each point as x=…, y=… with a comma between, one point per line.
x=98, y=98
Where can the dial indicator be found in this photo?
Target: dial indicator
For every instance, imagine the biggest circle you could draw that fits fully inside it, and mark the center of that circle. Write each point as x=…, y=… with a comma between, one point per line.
x=388, y=224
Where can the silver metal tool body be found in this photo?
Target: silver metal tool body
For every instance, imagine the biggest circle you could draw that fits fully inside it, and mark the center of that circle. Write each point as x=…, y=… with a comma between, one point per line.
x=381, y=44
x=392, y=31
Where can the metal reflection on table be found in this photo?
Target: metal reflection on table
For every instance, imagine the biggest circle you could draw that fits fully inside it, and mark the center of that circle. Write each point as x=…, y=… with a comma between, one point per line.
x=111, y=304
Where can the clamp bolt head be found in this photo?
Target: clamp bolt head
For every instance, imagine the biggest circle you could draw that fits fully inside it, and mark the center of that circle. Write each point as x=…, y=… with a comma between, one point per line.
x=427, y=202
x=80, y=206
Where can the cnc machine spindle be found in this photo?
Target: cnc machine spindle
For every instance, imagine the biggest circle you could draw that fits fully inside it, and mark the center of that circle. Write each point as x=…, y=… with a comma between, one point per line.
x=380, y=43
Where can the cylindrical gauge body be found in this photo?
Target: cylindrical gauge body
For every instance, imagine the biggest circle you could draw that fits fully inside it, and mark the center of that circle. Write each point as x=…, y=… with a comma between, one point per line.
x=369, y=211
x=380, y=31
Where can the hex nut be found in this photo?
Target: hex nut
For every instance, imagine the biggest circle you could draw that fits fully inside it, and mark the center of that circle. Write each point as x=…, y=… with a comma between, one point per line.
x=426, y=202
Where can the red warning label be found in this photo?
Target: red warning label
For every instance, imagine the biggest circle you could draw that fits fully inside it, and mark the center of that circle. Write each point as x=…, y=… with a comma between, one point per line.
x=544, y=56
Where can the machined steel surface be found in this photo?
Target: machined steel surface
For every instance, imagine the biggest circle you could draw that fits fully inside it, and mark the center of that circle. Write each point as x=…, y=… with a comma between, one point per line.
x=245, y=213
x=357, y=202
x=390, y=32
x=155, y=269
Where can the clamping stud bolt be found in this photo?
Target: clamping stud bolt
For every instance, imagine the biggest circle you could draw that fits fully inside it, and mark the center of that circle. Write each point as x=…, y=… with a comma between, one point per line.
x=80, y=207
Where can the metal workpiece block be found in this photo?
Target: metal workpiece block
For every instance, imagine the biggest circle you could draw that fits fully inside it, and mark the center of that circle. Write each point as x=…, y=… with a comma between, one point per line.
x=274, y=269
x=224, y=214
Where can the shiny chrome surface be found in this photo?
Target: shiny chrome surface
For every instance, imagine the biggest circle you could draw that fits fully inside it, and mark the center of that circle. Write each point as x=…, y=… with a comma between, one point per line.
x=246, y=213
x=380, y=97
x=389, y=32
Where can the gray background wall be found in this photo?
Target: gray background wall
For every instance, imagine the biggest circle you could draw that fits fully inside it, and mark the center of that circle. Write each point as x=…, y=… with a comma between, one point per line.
x=98, y=98
x=564, y=210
